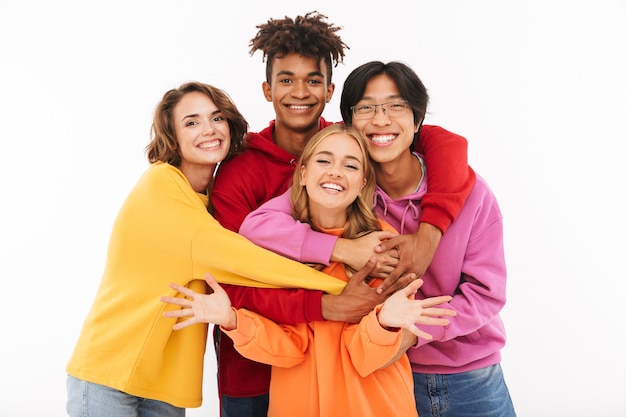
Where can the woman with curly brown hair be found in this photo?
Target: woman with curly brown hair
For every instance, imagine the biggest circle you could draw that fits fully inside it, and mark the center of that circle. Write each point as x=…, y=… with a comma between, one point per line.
x=128, y=361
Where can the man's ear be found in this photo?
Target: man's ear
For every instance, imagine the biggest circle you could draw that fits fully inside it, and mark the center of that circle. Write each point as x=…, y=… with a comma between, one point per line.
x=267, y=91
x=329, y=92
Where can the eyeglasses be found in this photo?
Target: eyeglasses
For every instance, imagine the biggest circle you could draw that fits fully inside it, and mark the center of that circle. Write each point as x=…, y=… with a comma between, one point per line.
x=391, y=108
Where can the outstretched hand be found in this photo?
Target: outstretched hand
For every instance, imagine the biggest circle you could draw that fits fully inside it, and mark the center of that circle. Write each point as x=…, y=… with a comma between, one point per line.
x=202, y=308
x=402, y=311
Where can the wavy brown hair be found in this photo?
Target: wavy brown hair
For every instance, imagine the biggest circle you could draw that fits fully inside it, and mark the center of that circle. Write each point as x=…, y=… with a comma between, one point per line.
x=309, y=35
x=163, y=145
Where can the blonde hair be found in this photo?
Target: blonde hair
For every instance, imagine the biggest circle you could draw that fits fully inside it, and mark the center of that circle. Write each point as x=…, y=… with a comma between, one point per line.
x=359, y=215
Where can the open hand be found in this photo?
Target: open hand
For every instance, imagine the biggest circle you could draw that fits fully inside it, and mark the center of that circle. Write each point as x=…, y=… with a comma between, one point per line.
x=402, y=311
x=202, y=308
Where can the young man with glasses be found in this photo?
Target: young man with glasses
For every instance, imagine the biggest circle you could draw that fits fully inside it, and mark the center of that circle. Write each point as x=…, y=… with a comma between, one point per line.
x=300, y=54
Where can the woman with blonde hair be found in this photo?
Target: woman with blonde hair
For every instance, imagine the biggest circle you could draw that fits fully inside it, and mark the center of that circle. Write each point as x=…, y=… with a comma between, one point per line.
x=328, y=368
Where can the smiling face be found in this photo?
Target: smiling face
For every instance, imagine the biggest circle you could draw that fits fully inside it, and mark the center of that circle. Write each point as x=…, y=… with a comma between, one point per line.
x=202, y=132
x=389, y=135
x=333, y=177
x=299, y=91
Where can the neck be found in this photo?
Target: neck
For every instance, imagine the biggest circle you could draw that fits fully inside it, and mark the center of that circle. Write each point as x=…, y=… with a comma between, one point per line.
x=199, y=177
x=293, y=141
x=327, y=218
x=400, y=177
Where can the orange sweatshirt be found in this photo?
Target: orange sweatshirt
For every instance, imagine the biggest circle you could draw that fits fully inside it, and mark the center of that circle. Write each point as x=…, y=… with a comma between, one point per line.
x=327, y=369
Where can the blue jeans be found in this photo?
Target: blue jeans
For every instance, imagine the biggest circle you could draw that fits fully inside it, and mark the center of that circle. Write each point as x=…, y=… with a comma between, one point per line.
x=93, y=400
x=245, y=407
x=479, y=393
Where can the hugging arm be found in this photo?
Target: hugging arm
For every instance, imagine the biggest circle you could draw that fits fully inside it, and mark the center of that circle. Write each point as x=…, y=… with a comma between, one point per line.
x=450, y=181
x=272, y=226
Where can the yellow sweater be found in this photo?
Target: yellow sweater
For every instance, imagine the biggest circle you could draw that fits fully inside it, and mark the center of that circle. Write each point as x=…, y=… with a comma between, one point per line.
x=163, y=233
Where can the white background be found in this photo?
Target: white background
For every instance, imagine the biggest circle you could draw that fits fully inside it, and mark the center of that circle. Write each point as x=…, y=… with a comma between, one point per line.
x=537, y=87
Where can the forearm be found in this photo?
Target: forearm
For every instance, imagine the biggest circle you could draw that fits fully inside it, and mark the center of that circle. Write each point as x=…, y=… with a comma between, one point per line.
x=273, y=227
x=282, y=305
x=372, y=346
x=408, y=340
x=341, y=251
x=450, y=178
x=428, y=238
x=334, y=308
x=262, y=340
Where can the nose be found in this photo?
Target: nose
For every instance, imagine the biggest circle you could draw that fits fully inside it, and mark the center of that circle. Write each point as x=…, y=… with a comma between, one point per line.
x=380, y=116
x=300, y=89
x=208, y=129
x=335, y=171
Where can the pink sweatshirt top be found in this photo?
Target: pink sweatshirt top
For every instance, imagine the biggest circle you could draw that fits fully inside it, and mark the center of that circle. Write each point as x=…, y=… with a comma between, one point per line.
x=469, y=265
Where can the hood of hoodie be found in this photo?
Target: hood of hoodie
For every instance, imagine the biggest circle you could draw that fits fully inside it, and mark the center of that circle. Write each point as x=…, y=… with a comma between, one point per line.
x=402, y=213
x=263, y=142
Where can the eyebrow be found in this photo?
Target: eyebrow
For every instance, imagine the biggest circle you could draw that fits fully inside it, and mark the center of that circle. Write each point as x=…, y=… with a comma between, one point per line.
x=356, y=158
x=392, y=97
x=310, y=74
x=191, y=116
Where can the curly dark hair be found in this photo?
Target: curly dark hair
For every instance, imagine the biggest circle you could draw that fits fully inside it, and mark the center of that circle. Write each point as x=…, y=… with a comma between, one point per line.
x=309, y=35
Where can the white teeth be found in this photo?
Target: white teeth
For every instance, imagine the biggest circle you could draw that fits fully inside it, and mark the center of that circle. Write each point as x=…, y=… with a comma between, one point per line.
x=332, y=186
x=209, y=145
x=382, y=138
x=298, y=107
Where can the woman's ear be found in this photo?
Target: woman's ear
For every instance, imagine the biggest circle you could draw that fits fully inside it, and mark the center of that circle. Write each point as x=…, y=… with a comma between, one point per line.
x=302, y=174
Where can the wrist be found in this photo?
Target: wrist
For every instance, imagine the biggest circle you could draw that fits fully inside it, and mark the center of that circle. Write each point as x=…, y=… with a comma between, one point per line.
x=329, y=310
x=388, y=328
x=341, y=248
x=430, y=231
x=231, y=322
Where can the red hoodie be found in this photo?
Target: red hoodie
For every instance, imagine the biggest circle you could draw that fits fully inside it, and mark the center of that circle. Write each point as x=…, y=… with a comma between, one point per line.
x=265, y=171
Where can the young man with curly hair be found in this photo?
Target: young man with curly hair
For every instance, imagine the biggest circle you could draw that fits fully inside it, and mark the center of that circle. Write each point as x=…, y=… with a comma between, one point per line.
x=300, y=54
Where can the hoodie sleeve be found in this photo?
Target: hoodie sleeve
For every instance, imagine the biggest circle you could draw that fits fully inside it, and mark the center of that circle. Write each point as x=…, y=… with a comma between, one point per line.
x=273, y=227
x=370, y=345
x=264, y=341
x=450, y=178
x=282, y=305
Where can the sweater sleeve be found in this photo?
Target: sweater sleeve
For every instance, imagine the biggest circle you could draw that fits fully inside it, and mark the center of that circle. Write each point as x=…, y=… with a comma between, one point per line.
x=262, y=340
x=273, y=227
x=450, y=178
x=370, y=345
x=282, y=305
x=232, y=259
